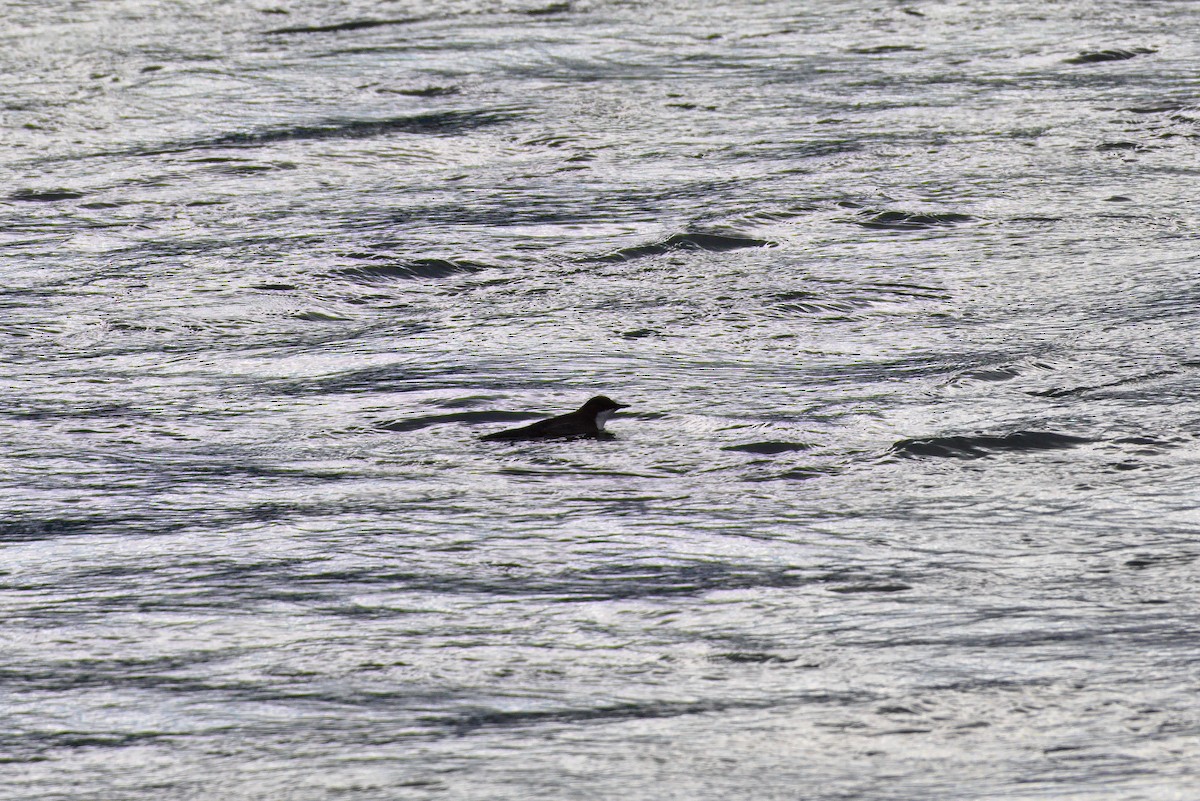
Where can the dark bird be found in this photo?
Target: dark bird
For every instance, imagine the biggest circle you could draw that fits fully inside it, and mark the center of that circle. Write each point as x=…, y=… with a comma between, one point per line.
x=586, y=422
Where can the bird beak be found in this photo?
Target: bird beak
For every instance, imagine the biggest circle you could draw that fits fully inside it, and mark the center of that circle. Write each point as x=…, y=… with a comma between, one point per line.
x=622, y=405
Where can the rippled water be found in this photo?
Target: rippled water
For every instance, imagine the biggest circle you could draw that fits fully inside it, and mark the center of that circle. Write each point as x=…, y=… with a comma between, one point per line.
x=901, y=296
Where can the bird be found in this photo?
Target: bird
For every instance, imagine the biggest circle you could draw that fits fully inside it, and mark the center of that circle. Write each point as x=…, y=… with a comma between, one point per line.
x=586, y=422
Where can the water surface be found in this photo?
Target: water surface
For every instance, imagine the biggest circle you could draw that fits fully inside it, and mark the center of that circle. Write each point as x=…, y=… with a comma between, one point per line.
x=902, y=297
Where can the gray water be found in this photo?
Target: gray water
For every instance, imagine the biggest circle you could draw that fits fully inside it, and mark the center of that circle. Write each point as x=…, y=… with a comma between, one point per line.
x=903, y=297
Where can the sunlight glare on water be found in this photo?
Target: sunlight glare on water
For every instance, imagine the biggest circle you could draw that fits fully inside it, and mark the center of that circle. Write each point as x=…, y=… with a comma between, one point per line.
x=902, y=300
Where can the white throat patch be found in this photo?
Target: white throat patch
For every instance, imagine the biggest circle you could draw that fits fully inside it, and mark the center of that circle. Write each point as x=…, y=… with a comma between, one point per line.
x=602, y=418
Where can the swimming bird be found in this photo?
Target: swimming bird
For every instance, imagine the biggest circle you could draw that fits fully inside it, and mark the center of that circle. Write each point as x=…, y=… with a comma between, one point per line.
x=586, y=422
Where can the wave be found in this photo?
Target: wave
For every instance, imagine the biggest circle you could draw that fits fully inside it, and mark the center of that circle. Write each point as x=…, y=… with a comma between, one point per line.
x=716, y=243
x=634, y=710
x=405, y=270
x=908, y=221
x=553, y=8
x=44, y=195
x=980, y=445
x=768, y=448
x=352, y=25
x=417, y=423
x=34, y=530
x=442, y=123
x=1097, y=56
